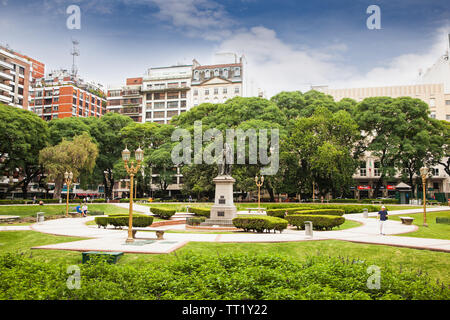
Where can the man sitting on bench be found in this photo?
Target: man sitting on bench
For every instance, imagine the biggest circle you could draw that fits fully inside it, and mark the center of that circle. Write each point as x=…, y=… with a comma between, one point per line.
x=78, y=208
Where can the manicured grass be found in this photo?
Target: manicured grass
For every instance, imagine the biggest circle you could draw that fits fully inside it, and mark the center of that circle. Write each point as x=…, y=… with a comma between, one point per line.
x=348, y=224
x=56, y=209
x=434, y=230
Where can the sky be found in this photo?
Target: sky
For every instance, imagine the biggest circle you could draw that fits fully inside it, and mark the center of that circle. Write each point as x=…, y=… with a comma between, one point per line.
x=287, y=44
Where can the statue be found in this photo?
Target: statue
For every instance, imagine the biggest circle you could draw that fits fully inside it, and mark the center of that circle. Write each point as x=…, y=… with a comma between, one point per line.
x=227, y=161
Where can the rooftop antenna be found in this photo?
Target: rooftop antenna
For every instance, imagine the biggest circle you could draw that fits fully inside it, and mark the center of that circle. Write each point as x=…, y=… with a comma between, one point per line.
x=74, y=52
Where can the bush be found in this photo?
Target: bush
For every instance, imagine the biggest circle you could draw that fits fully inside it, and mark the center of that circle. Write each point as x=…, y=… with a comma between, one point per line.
x=204, y=212
x=320, y=222
x=229, y=276
x=96, y=213
x=348, y=208
x=325, y=212
x=385, y=201
x=119, y=221
x=445, y=220
x=195, y=221
x=260, y=223
x=162, y=213
x=280, y=212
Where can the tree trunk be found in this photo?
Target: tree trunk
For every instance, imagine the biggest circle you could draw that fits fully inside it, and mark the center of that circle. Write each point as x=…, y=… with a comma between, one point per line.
x=59, y=182
x=271, y=194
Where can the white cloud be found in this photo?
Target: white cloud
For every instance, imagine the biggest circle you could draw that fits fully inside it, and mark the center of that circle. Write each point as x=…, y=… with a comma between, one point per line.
x=275, y=65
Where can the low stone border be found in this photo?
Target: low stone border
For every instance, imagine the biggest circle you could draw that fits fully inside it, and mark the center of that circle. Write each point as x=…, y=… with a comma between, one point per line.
x=167, y=223
x=212, y=228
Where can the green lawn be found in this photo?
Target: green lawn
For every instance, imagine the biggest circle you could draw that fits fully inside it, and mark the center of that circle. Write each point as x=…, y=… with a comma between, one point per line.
x=434, y=230
x=56, y=209
x=437, y=264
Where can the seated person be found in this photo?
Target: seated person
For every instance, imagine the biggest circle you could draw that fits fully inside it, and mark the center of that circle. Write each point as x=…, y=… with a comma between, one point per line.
x=78, y=208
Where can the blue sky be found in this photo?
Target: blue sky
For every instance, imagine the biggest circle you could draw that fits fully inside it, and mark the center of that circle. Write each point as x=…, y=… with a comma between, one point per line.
x=288, y=44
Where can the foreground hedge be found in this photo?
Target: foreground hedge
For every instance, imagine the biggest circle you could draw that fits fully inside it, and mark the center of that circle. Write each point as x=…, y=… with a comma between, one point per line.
x=122, y=221
x=320, y=222
x=162, y=213
x=260, y=223
x=281, y=211
x=204, y=212
x=195, y=221
x=221, y=277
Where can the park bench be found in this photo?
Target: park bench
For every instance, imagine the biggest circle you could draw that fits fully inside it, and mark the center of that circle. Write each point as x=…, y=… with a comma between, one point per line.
x=159, y=233
x=377, y=201
x=407, y=220
x=255, y=209
x=112, y=257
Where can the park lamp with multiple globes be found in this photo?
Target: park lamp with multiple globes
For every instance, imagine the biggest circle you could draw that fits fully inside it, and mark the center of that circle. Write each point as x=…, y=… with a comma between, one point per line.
x=68, y=177
x=259, y=183
x=132, y=170
x=424, y=174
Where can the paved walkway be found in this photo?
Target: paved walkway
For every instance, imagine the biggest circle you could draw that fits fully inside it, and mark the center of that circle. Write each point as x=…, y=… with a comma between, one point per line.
x=114, y=240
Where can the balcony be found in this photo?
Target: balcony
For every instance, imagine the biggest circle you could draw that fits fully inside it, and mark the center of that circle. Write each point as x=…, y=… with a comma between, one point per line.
x=6, y=76
x=5, y=87
x=5, y=99
x=128, y=93
x=165, y=88
x=6, y=65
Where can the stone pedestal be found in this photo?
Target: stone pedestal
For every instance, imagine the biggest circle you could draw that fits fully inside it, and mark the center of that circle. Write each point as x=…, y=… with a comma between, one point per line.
x=223, y=211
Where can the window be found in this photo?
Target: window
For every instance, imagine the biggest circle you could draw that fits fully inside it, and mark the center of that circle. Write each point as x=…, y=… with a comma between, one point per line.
x=172, y=104
x=159, y=96
x=433, y=115
x=183, y=94
x=432, y=102
x=362, y=169
x=447, y=102
x=206, y=92
x=148, y=96
x=158, y=114
x=172, y=95
x=172, y=113
x=237, y=71
x=216, y=90
x=377, y=171
x=159, y=105
x=195, y=92
x=183, y=103
x=224, y=90
x=435, y=171
x=236, y=90
x=216, y=72
x=196, y=75
x=447, y=117
x=207, y=74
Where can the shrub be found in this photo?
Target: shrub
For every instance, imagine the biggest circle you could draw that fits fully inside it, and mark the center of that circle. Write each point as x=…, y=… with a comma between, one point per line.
x=229, y=276
x=162, y=213
x=195, y=221
x=281, y=211
x=96, y=213
x=260, y=223
x=204, y=212
x=119, y=221
x=320, y=222
x=443, y=220
x=325, y=212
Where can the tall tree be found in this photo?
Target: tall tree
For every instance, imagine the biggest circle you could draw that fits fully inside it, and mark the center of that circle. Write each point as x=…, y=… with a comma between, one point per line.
x=77, y=156
x=107, y=134
x=22, y=134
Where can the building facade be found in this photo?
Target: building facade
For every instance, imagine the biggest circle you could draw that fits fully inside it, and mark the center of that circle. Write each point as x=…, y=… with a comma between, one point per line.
x=60, y=95
x=17, y=73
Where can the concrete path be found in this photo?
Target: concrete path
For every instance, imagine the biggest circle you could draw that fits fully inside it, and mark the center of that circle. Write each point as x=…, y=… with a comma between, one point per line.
x=15, y=228
x=114, y=240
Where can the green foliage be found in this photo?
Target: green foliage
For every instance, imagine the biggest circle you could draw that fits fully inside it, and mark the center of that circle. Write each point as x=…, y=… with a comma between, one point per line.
x=260, y=223
x=162, y=212
x=195, y=221
x=281, y=212
x=205, y=212
x=119, y=220
x=218, y=277
x=385, y=201
x=443, y=220
x=320, y=222
x=326, y=212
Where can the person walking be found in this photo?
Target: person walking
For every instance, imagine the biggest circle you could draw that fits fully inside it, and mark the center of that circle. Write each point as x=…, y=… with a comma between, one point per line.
x=382, y=216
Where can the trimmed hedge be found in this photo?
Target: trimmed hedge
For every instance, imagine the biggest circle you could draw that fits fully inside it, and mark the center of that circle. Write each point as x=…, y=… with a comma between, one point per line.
x=260, y=223
x=162, y=213
x=204, y=212
x=195, y=221
x=325, y=212
x=348, y=208
x=445, y=220
x=280, y=212
x=320, y=222
x=122, y=221
x=385, y=201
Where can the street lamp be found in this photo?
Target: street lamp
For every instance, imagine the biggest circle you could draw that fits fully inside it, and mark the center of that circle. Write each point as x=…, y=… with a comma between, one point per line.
x=139, y=155
x=259, y=183
x=68, y=176
x=424, y=173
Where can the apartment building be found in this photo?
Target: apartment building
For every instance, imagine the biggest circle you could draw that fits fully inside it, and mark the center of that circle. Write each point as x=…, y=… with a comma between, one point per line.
x=61, y=95
x=126, y=100
x=432, y=94
x=216, y=83
x=17, y=73
x=166, y=92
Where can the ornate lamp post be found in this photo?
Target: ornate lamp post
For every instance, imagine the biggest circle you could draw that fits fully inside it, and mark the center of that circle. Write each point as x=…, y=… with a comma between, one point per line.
x=259, y=183
x=424, y=173
x=139, y=155
x=68, y=176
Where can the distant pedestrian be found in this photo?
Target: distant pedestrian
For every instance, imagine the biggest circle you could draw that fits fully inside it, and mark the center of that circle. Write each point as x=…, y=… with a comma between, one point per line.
x=85, y=210
x=382, y=216
x=34, y=200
